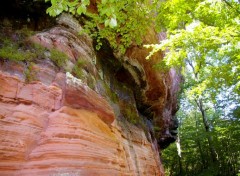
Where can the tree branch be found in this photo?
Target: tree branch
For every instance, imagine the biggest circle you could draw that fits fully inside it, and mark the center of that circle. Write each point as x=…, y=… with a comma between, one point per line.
x=230, y=5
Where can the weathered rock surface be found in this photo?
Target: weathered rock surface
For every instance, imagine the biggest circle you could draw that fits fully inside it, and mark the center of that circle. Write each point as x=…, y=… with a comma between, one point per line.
x=61, y=125
x=42, y=133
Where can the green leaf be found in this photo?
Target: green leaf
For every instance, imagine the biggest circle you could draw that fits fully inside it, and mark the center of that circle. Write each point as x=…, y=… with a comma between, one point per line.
x=73, y=4
x=54, y=2
x=85, y=2
x=113, y=22
x=106, y=23
x=81, y=9
x=104, y=2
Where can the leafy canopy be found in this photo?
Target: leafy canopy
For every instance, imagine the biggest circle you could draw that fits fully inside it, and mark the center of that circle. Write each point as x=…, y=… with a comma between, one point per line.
x=203, y=40
x=121, y=22
x=202, y=36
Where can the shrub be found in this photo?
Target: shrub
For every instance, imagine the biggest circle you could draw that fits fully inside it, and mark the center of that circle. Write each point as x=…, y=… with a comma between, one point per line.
x=77, y=69
x=58, y=57
x=11, y=50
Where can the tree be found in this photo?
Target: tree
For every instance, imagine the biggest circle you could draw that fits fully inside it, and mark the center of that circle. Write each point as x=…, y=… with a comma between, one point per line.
x=196, y=156
x=122, y=23
x=203, y=30
x=206, y=35
x=203, y=42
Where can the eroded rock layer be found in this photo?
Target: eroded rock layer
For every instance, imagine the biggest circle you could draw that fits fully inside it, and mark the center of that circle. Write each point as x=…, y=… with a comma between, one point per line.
x=98, y=120
x=44, y=133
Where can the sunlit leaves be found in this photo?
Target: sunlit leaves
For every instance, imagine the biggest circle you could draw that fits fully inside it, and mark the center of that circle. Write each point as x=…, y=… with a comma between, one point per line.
x=209, y=38
x=122, y=23
x=204, y=43
x=225, y=131
x=81, y=9
x=58, y=6
x=112, y=22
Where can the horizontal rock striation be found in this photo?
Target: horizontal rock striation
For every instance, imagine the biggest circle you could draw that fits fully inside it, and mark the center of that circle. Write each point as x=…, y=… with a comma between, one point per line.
x=98, y=120
x=45, y=133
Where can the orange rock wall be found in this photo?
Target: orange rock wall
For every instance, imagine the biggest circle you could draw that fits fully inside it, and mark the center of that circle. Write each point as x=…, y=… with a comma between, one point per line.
x=100, y=124
x=42, y=133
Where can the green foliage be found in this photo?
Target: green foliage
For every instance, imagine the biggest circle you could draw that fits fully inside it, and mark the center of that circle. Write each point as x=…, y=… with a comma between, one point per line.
x=156, y=129
x=78, y=68
x=58, y=6
x=58, y=57
x=14, y=54
x=29, y=73
x=175, y=14
x=131, y=114
x=121, y=22
x=111, y=94
x=38, y=49
x=195, y=157
x=203, y=36
x=201, y=31
x=203, y=41
x=23, y=50
x=10, y=50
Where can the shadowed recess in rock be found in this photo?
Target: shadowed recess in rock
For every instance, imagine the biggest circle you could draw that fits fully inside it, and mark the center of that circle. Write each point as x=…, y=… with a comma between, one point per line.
x=97, y=113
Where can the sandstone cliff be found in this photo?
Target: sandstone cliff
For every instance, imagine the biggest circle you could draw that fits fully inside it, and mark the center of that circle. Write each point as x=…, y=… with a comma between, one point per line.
x=98, y=114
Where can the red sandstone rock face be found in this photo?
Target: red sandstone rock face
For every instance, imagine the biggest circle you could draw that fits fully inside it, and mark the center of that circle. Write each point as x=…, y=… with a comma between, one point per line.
x=160, y=90
x=43, y=133
x=58, y=125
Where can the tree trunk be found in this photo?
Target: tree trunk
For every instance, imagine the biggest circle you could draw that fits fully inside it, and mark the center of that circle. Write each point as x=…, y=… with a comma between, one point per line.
x=207, y=129
x=180, y=165
x=199, y=144
x=201, y=153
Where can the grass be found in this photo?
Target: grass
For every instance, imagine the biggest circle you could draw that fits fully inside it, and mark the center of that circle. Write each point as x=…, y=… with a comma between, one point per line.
x=130, y=114
x=29, y=73
x=15, y=54
x=78, y=68
x=19, y=49
x=110, y=93
x=11, y=50
x=59, y=58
